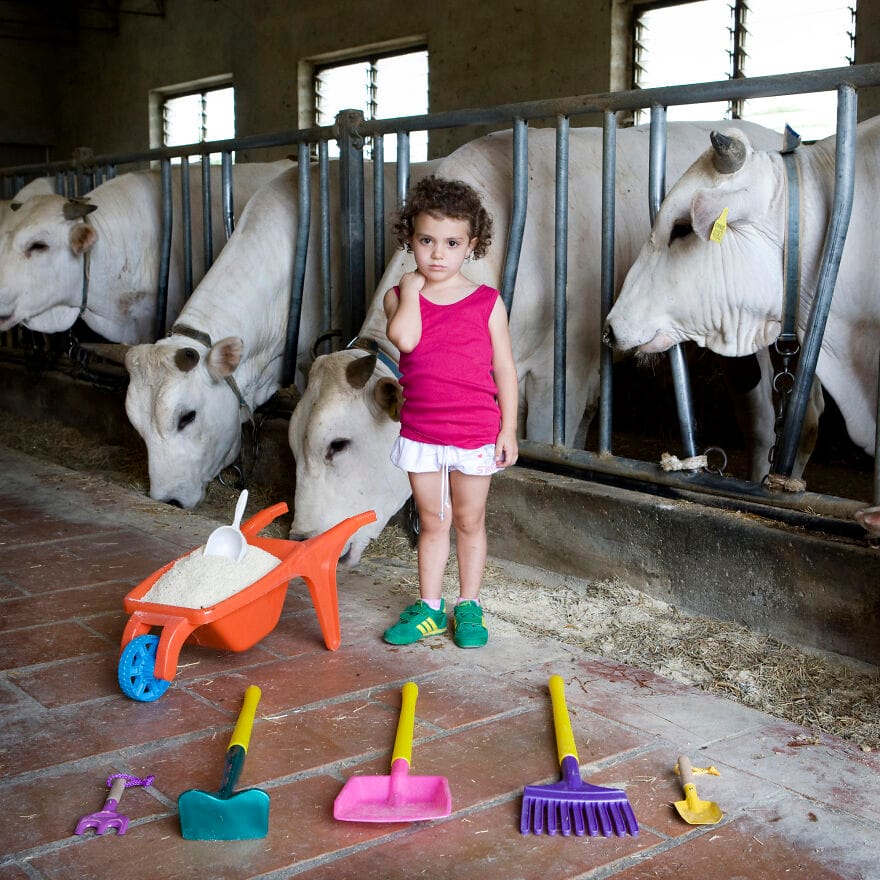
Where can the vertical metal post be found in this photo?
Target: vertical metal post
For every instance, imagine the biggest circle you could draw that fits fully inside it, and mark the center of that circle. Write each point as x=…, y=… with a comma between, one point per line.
x=164, y=250
x=560, y=286
x=403, y=174
x=518, y=212
x=351, y=209
x=304, y=220
x=226, y=183
x=677, y=362
x=326, y=277
x=378, y=208
x=832, y=252
x=186, y=219
x=207, y=231
x=606, y=284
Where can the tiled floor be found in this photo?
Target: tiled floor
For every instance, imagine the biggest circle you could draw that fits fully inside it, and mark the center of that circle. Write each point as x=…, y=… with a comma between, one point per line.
x=71, y=548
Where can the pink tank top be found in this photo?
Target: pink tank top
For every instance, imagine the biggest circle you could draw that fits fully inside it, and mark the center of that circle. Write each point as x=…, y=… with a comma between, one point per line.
x=448, y=388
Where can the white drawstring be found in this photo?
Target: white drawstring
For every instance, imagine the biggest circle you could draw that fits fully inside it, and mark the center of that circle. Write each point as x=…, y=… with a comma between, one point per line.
x=444, y=483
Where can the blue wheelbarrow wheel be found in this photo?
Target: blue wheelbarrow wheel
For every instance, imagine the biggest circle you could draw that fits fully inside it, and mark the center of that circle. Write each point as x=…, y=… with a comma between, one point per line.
x=136, y=665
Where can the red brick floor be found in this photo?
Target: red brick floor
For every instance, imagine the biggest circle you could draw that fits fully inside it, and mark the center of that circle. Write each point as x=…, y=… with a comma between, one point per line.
x=70, y=552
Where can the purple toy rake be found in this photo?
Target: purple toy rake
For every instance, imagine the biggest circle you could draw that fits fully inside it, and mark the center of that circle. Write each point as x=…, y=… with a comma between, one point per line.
x=108, y=817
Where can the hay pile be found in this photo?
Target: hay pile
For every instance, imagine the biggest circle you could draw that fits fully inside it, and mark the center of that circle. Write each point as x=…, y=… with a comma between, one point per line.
x=608, y=619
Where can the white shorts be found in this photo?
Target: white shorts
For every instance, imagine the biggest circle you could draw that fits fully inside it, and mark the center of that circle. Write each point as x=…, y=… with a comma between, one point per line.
x=422, y=458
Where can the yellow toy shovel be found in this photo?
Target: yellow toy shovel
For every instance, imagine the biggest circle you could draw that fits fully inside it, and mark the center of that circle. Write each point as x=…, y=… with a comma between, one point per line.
x=693, y=810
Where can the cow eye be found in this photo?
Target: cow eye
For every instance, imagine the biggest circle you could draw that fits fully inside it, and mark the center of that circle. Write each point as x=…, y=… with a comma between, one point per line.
x=36, y=247
x=186, y=419
x=680, y=230
x=336, y=446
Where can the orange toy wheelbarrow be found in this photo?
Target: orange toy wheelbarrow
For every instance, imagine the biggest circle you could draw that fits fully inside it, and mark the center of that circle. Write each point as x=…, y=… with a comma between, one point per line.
x=148, y=662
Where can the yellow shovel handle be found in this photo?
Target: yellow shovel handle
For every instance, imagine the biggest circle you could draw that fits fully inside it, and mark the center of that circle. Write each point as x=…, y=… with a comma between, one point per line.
x=241, y=735
x=565, y=746
x=406, y=723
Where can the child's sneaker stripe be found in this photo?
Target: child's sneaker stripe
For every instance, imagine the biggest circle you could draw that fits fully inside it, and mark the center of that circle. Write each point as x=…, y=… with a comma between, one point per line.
x=417, y=621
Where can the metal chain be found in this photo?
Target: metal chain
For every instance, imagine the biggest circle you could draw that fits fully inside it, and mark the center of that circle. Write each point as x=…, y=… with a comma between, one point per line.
x=783, y=383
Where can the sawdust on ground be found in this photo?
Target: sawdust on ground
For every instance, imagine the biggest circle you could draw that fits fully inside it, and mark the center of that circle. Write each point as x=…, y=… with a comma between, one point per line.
x=826, y=693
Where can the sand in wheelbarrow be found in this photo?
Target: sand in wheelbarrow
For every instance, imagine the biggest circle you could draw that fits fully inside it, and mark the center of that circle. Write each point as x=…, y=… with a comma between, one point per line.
x=199, y=581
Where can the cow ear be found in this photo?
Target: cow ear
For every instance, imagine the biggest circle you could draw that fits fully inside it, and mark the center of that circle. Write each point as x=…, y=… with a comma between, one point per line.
x=224, y=357
x=186, y=359
x=389, y=397
x=358, y=372
x=82, y=238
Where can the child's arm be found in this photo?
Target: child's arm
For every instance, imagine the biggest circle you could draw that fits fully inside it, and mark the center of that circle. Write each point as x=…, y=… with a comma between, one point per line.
x=404, y=328
x=504, y=371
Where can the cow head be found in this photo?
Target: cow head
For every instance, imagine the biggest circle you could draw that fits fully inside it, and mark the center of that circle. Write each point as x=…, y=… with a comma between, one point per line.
x=42, y=243
x=711, y=271
x=341, y=434
x=180, y=403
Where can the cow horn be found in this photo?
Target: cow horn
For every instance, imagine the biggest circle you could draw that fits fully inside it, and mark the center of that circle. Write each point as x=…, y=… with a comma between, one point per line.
x=76, y=209
x=358, y=372
x=730, y=152
x=186, y=359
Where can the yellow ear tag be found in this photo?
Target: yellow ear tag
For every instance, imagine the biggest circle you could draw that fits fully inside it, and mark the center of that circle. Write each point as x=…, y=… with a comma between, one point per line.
x=719, y=227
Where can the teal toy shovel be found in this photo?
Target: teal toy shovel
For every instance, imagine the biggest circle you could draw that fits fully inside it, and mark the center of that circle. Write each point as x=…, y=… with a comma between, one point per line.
x=243, y=815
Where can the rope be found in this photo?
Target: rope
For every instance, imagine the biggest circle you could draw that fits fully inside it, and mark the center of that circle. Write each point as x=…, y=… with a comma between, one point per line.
x=673, y=463
x=785, y=484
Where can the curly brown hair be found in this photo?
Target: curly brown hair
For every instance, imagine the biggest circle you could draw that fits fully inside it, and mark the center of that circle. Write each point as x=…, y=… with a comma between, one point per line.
x=440, y=198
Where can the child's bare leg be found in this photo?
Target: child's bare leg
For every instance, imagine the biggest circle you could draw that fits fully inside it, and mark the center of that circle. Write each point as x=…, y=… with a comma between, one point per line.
x=469, y=494
x=433, y=533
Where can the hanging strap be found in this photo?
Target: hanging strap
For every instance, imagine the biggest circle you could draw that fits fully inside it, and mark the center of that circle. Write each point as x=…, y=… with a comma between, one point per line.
x=205, y=339
x=791, y=254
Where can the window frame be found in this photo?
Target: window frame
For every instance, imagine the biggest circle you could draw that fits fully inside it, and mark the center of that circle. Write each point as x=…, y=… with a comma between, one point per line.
x=737, y=47
x=159, y=97
x=309, y=70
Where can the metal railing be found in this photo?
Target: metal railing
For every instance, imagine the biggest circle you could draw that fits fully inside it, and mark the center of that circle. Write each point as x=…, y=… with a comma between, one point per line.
x=351, y=130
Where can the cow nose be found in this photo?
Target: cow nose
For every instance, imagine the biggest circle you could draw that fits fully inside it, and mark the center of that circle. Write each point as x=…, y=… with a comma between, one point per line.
x=608, y=336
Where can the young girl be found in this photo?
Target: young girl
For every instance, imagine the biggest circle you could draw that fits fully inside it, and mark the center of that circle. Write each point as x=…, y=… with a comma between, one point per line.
x=458, y=422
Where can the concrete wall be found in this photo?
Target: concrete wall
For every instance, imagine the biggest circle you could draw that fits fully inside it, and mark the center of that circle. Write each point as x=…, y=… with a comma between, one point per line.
x=481, y=54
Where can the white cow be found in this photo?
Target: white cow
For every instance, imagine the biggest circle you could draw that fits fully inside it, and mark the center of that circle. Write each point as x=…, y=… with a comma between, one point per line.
x=45, y=241
x=40, y=186
x=343, y=428
x=179, y=398
x=728, y=296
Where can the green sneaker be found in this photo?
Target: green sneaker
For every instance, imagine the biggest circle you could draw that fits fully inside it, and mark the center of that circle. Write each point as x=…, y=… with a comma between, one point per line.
x=416, y=622
x=470, y=625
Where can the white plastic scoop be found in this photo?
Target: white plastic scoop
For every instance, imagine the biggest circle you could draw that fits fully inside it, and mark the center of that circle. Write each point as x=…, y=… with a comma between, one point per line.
x=228, y=541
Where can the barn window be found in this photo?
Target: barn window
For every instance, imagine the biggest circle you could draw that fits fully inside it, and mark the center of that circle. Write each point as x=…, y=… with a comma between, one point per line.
x=381, y=84
x=708, y=40
x=194, y=117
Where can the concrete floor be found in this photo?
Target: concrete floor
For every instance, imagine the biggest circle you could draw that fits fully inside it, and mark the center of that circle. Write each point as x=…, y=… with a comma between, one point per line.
x=71, y=547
